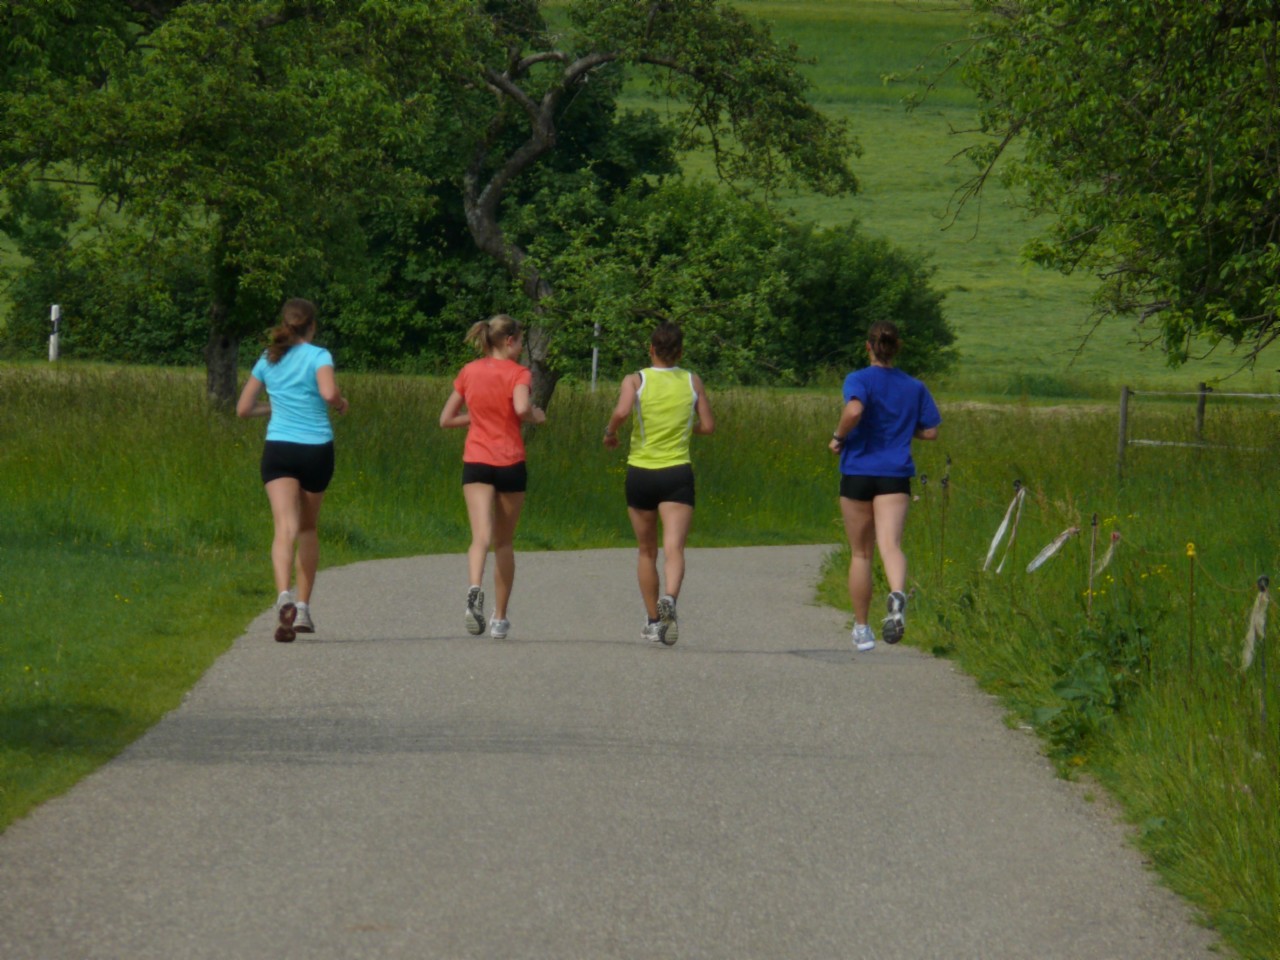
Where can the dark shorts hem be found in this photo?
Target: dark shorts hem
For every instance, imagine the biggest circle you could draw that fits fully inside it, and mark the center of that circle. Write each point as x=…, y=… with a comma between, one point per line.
x=509, y=479
x=646, y=488
x=311, y=464
x=868, y=488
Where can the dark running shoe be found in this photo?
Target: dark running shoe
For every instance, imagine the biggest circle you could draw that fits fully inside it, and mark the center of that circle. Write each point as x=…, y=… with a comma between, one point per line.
x=475, y=611
x=894, y=625
x=285, y=633
x=667, y=617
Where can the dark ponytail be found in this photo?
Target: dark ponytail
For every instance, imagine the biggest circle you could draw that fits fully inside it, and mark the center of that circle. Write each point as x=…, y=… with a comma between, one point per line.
x=884, y=340
x=297, y=316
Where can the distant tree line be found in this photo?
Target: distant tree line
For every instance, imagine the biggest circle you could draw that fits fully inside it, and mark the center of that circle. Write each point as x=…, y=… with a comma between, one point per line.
x=170, y=171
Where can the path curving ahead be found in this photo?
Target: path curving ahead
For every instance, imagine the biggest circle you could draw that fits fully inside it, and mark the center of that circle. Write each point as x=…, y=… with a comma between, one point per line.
x=395, y=788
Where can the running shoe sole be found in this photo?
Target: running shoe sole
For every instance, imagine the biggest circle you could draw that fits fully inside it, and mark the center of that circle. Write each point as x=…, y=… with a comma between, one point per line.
x=285, y=633
x=670, y=631
x=894, y=625
x=475, y=612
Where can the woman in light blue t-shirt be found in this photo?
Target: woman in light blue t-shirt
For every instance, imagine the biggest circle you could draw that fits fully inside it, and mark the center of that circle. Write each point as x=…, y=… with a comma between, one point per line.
x=884, y=410
x=297, y=458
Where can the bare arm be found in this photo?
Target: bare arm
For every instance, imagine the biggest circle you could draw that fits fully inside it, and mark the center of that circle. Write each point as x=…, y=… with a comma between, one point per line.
x=706, y=419
x=249, y=405
x=329, y=391
x=926, y=433
x=452, y=415
x=622, y=409
x=849, y=418
x=525, y=409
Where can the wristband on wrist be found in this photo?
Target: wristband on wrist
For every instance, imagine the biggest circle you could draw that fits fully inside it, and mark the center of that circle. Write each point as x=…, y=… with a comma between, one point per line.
x=837, y=437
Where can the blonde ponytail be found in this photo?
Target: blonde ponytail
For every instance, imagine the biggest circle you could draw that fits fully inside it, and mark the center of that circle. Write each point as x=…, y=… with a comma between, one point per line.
x=485, y=335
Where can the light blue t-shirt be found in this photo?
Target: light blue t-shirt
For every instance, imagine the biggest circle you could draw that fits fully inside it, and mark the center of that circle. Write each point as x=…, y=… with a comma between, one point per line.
x=298, y=412
x=895, y=405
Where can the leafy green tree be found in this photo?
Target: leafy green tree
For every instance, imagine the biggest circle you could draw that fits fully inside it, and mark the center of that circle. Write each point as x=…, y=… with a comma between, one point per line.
x=764, y=300
x=1150, y=132
x=738, y=93
x=235, y=144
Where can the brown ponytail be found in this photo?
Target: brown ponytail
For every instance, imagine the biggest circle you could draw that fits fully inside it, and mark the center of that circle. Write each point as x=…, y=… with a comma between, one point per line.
x=885, y=341
x=485, y=335
x=297, y=316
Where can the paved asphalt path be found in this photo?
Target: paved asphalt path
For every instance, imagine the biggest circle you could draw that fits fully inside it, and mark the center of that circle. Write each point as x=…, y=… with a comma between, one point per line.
x=396, y=788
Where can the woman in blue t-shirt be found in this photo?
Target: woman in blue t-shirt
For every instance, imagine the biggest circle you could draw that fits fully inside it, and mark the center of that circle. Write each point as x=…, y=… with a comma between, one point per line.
x=884, y=410
x=297, y=458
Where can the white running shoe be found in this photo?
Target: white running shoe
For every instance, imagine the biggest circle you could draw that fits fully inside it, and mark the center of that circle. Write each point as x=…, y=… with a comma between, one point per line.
x=498, y=629
x=475, y=611
x=864, y=637
x=654, y=633
x=894, y=625
x=667, y=617
x=302, y=623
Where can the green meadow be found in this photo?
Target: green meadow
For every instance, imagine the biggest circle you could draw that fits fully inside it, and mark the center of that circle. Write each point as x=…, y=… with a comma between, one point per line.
x=134, y=532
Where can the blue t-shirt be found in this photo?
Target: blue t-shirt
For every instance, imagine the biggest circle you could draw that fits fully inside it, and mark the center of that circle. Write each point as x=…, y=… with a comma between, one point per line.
x=895, y=406
x=298, y=412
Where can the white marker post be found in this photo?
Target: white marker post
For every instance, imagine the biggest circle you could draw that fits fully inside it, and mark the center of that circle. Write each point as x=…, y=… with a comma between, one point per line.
x=54, y=316
x=595, y=357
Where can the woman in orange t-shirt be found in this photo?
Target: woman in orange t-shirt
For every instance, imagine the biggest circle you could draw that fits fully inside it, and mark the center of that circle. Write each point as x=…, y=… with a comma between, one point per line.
x=495, y=391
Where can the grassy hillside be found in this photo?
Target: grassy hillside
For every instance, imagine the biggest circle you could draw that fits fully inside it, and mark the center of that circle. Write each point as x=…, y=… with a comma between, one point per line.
x=1021, y=329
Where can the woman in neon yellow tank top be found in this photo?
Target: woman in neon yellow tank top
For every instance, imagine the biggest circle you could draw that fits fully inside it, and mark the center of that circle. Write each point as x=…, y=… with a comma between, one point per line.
x=670, y=405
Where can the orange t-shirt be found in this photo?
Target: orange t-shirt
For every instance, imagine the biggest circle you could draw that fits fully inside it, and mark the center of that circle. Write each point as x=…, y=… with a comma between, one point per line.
x=486, y=386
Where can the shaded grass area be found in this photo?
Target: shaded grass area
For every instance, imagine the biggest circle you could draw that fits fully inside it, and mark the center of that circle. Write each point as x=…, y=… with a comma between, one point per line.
x=98, y=642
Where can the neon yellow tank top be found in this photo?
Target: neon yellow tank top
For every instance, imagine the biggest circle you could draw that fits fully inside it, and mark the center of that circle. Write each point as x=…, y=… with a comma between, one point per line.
x=666, y=404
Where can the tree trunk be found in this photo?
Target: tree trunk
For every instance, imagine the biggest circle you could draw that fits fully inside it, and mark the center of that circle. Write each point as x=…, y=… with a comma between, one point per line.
x=537, y=341
x=221, y=358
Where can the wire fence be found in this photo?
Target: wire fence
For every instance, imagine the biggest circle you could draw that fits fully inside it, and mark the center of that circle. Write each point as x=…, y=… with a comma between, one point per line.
x=1201, y=394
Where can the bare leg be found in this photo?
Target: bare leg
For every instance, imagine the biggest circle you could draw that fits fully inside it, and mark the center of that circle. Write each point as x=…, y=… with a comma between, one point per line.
x=860, y=529
x=506, y=514
x=480, y=500
x=676, y=520
x=285, y=496
x=308, y=544
x=890, y=519
x=645, y=524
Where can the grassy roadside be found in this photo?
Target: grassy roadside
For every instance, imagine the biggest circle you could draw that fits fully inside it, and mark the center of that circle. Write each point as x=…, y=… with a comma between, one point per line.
x=134, y=546
x=1135, y=677
x=134, y=534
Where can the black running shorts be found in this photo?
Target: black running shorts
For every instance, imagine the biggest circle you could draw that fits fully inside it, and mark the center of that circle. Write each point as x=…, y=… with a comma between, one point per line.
x=868, y=488
x=311, y=464
x=648, y=488
x=512, y=479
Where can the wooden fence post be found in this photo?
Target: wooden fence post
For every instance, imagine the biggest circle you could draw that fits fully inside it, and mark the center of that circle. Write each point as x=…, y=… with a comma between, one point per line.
x=1124, y=432
x=1203, y=390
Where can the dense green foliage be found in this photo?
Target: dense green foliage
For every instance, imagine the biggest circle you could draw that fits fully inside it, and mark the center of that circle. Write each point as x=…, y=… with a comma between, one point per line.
x=1150, y=132
x=198, y=162
x=167, y=164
